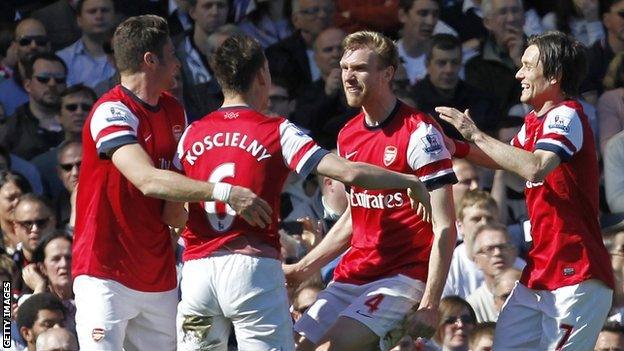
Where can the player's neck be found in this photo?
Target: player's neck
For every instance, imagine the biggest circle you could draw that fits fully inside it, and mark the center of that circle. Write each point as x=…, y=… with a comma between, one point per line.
x=379, y=109
x=241, y=100
x=144, y=88
x=545, y=105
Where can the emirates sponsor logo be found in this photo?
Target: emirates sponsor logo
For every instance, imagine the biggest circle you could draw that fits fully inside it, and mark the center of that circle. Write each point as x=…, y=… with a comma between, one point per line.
x=379, y=201
x=390, y=154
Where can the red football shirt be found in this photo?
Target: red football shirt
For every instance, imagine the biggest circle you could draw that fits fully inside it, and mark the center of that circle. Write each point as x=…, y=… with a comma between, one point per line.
x=388, y=237
x=240, y=146
x=119, y=234
x=563, y=209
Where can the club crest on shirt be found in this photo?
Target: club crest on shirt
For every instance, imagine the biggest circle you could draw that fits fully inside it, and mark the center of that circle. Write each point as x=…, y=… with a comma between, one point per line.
x=177, y=131
x=97, y=334
x=432, y=145
x=390, y=154
x=116, y=115
x=560, y=123
x=231, y=115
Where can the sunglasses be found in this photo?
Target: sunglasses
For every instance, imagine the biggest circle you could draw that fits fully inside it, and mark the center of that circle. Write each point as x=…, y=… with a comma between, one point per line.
x=28, y=225
x=40, y=40
x=74, y=107
x=464, y=318
x=69, y=166
x=44, y=79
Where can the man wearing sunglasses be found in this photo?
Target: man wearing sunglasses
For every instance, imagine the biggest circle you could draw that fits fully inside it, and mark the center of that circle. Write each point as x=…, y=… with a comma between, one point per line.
x=30, y=38
x=33, y=219
x=35, y=128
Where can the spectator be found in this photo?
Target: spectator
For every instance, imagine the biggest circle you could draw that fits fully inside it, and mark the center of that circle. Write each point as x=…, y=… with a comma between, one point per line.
x=59, y=19
x=35, y=128
x=281, y=102
x=291, y=59
x=56, y=339
x=419, y=19
x=266, y=23
x=611, y=102
x=466, y=17
x=76, y=103
x=475, y=208
x=443, y=87
x=178, y=17
x=30, y=38
x=322, y=108
x=611, y=337
x=457, y=320
x=616, y=250
x=579, y=18
x=12, y=186
x=500, y=54
x=467, y=180
x=68, y=168
x=602, y=52
x=482, y=337
x=193, y=50
x=37, y=314
x=85, y=59
x=51, y=272
x=614, y=178
x=33, y=219
x=493, y=253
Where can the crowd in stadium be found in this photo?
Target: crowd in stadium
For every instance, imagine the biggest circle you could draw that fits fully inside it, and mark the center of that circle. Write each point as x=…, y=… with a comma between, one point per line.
x=312, y=174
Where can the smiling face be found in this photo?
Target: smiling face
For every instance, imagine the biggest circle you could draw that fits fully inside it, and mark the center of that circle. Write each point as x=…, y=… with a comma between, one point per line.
x=535, y=87
x=362, y=78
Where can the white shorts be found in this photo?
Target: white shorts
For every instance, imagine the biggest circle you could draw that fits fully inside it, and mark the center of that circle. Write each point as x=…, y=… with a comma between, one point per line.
x=380, y=305
x=568, y=318
x=247, y=291
x=110, y=316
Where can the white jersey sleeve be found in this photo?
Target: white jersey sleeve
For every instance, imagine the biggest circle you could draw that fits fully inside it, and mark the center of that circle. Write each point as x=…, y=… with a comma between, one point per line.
x=300, y=152
x=428, y=157
x=113, y=125
x=562, y=132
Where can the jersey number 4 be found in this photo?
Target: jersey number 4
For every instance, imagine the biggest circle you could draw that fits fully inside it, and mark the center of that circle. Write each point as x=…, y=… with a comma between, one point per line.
x=373, y=303
x=221, y=216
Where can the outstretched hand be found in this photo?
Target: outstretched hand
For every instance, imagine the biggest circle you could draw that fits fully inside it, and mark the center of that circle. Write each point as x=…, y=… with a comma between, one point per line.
x=460, y=120
x=421, y=201
x=253, y=209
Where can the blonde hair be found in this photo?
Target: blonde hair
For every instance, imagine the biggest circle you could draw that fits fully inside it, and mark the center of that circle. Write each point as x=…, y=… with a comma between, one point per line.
x=476, y=198
x=615, y=73
x=380, y=44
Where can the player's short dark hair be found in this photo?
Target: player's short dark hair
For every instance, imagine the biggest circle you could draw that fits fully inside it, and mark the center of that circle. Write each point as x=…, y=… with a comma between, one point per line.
x=236, y=62
x=29, y=309
x=563, y=58
x=80, y=89
x=136, y=36
x=442, y=41
x=39, y=253
x=29, y=67
x=406, y=5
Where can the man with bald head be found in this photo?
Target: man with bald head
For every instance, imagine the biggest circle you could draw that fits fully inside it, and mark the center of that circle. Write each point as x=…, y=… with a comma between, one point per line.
x=322, y=108
x=291, y=59
x=57, y=339
x=30, y=38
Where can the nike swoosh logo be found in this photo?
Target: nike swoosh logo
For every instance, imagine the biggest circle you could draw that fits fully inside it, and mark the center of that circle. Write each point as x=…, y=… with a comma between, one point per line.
x=363, y=314
x=147, y=138
x=351, y=154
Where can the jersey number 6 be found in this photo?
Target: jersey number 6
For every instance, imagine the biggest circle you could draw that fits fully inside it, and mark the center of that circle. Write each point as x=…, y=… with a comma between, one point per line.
x=220, y=222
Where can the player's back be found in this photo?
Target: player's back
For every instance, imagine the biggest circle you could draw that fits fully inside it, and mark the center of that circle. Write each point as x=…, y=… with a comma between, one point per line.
x=239, y=146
